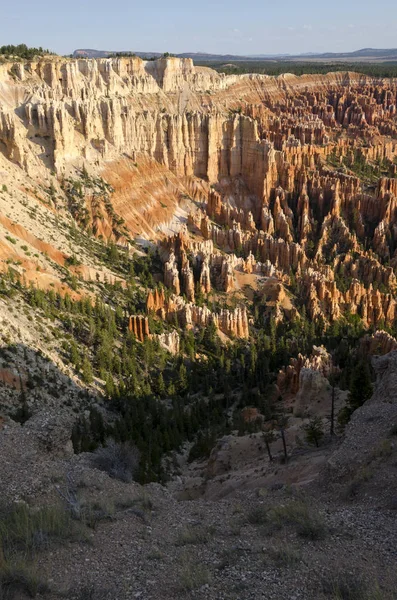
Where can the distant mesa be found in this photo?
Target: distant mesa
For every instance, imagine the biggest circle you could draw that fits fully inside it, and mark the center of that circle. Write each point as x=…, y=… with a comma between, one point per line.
x=362, y=55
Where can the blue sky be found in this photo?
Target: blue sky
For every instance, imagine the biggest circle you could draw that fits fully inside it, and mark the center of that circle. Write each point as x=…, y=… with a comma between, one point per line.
x=251, y=27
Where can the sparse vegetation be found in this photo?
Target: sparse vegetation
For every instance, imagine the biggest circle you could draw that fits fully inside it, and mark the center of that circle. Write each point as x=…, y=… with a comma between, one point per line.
x=120, y=461
x=24, y=532
x=307, y=522
x=314, y=431
x=193, y=576
x=258, y=515
x=283, y=555
x=193, y=536
x=347, y=585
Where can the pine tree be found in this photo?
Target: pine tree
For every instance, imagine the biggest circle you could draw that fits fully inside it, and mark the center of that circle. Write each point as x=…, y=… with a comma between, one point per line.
x=360, y=385
x=109, y=386
x=182, y=378
x=314, y=431
x=86, y=371
x=161, y=385
x=74, y=354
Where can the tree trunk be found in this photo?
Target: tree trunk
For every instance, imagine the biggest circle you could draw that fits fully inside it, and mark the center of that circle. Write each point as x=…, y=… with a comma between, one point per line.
x=332, y=432
x=284, y=445
x=268, y=450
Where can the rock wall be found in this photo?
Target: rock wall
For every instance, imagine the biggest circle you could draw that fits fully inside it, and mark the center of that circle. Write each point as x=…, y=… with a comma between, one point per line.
x=370, y=429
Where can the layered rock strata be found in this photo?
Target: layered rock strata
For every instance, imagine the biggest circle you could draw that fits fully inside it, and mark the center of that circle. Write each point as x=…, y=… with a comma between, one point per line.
x=291, y=178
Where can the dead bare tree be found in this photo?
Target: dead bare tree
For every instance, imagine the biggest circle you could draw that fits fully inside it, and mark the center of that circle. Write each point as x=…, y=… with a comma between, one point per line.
x=269, y=437
x=69, y=496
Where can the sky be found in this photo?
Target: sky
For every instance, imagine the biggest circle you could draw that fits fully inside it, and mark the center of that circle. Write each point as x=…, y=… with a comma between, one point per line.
x=233, y=27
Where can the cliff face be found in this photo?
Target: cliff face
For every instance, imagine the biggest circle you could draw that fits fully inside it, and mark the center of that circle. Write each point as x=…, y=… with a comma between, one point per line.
x=290, y=178
x=368, y=441
x=169, y=110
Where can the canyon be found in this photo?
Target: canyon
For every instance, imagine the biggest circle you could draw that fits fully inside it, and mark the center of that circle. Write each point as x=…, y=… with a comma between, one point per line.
x=248, y=158
x=193, y=266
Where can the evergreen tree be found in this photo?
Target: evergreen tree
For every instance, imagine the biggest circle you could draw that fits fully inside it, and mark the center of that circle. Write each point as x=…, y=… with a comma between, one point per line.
x=314, y=431
x=109, y=386
x=86, y=371
x=360, y=385
x=182, y=378
x=160, y=385
x=74, y=354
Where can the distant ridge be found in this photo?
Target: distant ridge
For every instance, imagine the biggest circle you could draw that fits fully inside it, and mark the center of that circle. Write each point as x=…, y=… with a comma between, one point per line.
x=363, y=55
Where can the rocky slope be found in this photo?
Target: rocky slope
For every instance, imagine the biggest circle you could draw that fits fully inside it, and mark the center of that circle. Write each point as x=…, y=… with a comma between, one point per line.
x=265, y=527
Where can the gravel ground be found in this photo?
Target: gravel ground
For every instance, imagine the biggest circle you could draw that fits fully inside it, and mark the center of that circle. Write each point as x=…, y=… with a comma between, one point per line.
x=155, y=547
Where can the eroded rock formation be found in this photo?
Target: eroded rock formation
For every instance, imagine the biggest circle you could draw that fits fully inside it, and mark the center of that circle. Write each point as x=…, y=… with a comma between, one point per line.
x=291, y=178
x=377, y=344
x=290, y=379
x=139, y=326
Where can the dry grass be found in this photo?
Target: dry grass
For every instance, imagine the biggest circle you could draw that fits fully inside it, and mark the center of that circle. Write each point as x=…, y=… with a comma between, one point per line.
x=307, y=522
x=352, y=586
x=194, y=536
x=23, y=532
x=193, y=576
x=283, y=555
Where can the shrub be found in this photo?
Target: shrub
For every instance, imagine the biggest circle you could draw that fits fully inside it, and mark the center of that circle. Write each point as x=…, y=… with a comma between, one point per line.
x=194, y=576
x=93, y=513
x=345, y=586
x=23, y=530
x=120, y=461
x=308, y=523
x=141, y=506
x=384, y=449
x=393, y=430
x=258, y=516
x=20, y=578
x=353, y=487
x=155, y=554
x=193, y=535
x=283, y=556
x=72, y=261
x=230, y=557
